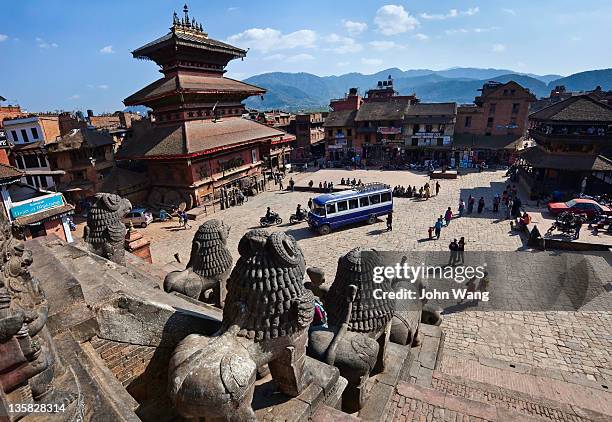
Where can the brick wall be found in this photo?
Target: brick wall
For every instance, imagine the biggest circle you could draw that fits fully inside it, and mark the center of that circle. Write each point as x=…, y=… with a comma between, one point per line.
x=126, y=361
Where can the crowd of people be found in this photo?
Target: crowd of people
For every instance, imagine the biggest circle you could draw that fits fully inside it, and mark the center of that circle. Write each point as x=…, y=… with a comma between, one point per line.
x=424, y=191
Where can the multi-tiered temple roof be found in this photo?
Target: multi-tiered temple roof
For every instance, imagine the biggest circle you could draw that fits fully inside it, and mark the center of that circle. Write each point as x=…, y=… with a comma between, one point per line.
x=196, y=110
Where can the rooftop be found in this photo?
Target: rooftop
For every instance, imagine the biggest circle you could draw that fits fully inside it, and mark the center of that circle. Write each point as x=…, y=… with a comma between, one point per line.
x=391, y=109
x=80, y=138
x=194, y=137
x=340, y=118
x=580, y=108
x=191, y=84
x=8, y=174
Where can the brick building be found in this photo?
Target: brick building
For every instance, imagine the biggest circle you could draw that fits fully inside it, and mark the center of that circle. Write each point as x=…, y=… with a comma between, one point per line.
x=428, y=132
x=309, y=136
x=491, y=128
x=340, y=127
x=571, y=137
x=86, y=157
x=196, y=142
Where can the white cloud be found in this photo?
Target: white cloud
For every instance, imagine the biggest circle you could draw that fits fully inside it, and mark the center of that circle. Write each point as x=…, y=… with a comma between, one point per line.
x=268, y=39
x=498, y=48
x=290, y=59
x=421, y=37
x=393, y=19
x=3, y=37
x=232, y=9
x=103, y=86
x=468, y=30
x=385, y=45
x=509, y=11
x=354, y=28
x=44, y=44
x=74, y=97
x=107, y=50
x=372, y=62
x=452, y=13
x=343, y=45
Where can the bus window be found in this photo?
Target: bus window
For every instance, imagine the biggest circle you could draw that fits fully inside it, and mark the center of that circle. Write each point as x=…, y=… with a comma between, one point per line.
x=353, y=204
x=342, y=206
x=318, y=210
x=374, y=199
x=386, y=197
x=364, y=201
x=331, y=208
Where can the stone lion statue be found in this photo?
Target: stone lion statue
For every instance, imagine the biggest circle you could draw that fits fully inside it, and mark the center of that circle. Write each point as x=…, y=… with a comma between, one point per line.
x=209, y=266
x=105, y=232
x=265, y=319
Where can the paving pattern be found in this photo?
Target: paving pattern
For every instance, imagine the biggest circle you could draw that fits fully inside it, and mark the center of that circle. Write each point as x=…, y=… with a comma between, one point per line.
x=576, y=342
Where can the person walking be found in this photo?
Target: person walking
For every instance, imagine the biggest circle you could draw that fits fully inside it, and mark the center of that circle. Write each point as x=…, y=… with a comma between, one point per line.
x=481, y=205
x=461, y=250
x=427, y=191
x=438, y=227
x=437, y=188
x=453, y=248
x=390, y=222
x=509, y=208
x=292, y=184
x=578, y=227
x=310, y=203
x=280, y=183
x=448, y=215
x=496, y=202
x=320, y=186
x=471, y=202
x=461, y=207
x=310, y=184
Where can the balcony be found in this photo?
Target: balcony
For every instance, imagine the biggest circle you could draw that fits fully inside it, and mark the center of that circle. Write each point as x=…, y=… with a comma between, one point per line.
x=540, y=134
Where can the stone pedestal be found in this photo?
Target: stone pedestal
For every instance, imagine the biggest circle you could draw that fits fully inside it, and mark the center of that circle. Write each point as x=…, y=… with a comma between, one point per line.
x=325, y=390
x=138, y=245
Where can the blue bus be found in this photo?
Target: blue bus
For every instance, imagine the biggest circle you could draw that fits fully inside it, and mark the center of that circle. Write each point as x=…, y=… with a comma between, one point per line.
x=364, y=203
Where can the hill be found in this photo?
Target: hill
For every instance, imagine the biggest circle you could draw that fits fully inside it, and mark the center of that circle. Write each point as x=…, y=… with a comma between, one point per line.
x=585, y=81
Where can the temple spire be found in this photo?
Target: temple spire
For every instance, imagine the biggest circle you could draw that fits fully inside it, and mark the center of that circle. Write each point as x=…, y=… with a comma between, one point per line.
x=186, y=12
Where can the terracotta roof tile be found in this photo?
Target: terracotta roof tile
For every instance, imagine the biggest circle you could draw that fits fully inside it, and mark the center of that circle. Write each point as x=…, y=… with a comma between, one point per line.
x=580, y=108
x=538, y=157
x=9, y=172
x=340, y=118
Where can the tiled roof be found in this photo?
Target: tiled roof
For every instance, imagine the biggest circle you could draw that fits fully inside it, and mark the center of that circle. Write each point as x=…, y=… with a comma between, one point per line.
x=432, y=109
x=393, y=109
x=80, y=138
x=8, y=173
x=27, y=146
x=187, y=39
x=340, y=118
x=191, y=84
x=494, y=142
x=580, y=108
x=194, y=137
x=538, y=157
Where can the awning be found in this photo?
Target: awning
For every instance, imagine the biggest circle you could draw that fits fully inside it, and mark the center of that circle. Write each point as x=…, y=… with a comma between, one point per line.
x=46, y=215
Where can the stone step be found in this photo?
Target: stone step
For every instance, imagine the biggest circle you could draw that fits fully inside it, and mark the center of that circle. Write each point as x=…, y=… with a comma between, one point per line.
x=548, y=393
x=413, y=402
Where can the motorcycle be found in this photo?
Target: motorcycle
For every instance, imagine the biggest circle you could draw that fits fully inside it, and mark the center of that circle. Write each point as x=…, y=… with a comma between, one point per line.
x=567, y=223
x=274, y=219
x=298, y=218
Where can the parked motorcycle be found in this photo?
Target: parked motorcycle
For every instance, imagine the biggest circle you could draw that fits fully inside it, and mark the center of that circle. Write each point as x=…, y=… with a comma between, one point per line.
x=566, y=223
x=272, y=220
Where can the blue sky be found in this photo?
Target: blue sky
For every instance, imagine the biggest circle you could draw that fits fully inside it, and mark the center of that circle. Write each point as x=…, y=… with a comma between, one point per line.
x=76, y=55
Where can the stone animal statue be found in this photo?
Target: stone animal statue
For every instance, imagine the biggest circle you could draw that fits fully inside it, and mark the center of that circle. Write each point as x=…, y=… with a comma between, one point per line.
x=265, y=319
x=209, y=266
x=28, y=360
x=359, y=325
x=105, y=232
x=317, y=282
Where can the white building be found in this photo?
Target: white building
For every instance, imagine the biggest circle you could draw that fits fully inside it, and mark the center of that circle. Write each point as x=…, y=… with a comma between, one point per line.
x=27, y=137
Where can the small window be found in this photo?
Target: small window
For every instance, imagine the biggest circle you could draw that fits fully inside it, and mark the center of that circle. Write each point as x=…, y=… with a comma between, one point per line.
x=492, y=108
x=330, y=208
x=34, y=133
x=516, y=107
x=342, y=206
x=43, y=181
x=349, y=132
x=468, y=121
x=386, y=197
x=364, y=201
x=29, y=180
x=24, y=135
x=374, y=199
x=490, y=122
x=353, y=204
x=15, y=138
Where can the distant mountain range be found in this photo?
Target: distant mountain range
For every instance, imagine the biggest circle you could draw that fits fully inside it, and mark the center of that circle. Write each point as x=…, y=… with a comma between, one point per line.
x=305, y=91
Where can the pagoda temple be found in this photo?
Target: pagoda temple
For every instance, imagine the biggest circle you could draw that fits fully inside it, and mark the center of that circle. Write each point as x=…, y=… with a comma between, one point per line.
x=196, y=141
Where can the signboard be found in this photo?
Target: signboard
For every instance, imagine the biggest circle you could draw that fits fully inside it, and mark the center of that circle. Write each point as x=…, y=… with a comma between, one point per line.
x=37, y=205
x=389, y=130
x=3, y=140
